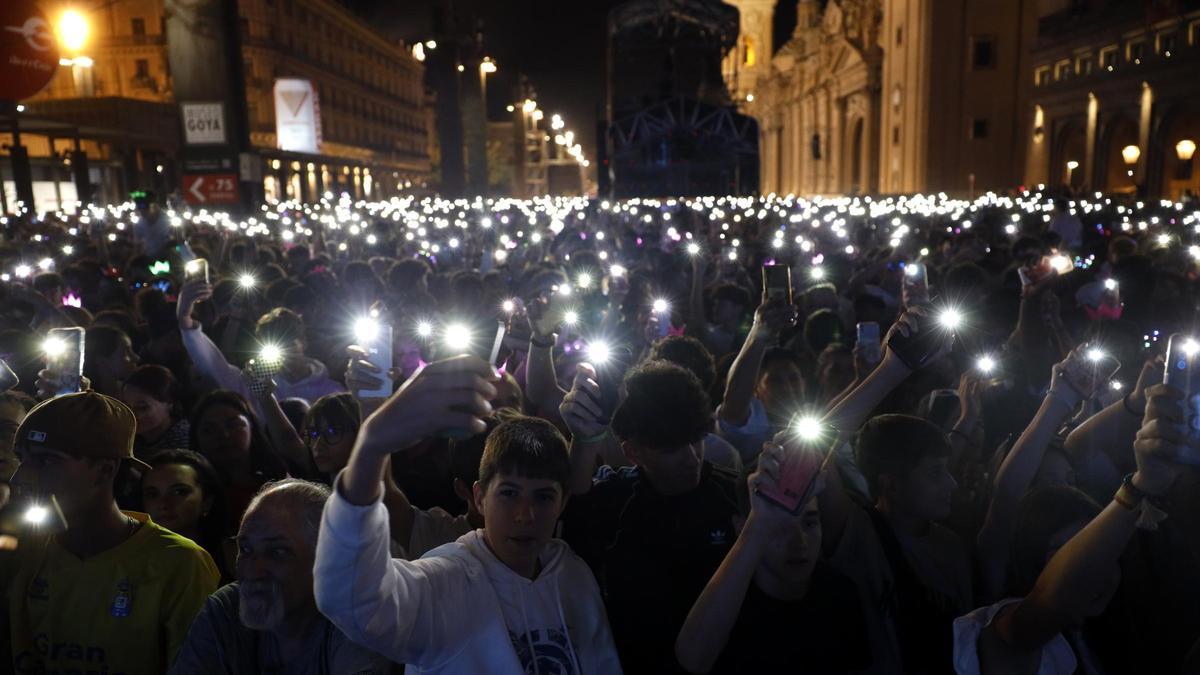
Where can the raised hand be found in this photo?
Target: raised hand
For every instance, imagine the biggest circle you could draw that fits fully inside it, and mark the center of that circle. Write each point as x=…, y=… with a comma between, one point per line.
x=582, y=408
x=193, y=292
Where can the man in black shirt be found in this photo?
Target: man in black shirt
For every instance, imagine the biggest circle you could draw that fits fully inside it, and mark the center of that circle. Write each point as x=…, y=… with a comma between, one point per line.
x=773, y=605
x=655, y=532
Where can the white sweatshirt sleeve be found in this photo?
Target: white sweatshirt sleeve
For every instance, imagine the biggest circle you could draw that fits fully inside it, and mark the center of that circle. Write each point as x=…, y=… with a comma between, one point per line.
x=410, y=612
x=209, y=360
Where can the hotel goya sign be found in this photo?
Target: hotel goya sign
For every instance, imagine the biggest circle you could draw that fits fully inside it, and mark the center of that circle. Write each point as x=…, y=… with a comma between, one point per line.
x=28, y=50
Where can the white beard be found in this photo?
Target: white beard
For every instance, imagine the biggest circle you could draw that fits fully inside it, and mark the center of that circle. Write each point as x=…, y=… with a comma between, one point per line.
x=257, y=613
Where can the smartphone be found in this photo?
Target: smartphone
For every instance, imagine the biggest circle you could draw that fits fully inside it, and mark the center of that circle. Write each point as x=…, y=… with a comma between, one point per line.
x=262, y=368
x=798, y=471
x=777, y=282
x=8, y=379
x=1033, y=273
x=932, y=336
x=868, y=340
x=379, y=353
x=609, y=371
x=1183, y=373
x=1090, y=369
x=196, y=269
x=497, y=343
x=915, y=275
x=64, y=355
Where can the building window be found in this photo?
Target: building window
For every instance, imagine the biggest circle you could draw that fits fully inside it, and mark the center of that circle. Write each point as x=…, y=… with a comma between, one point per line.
x=1062, y=70
x=979, y=128
x=1108, y=58
x=1167, y=43
x=143, y=68
x=899, y=35
x=1083, y=65
x=1041, y=76
x=138, y=26
x=983, y=53
x=1135, y=52
x=895, y=135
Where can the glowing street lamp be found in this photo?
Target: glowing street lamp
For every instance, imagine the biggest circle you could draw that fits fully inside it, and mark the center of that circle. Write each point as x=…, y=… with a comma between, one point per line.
x=1131, y=154
x=1185, y=149
x=72, y=30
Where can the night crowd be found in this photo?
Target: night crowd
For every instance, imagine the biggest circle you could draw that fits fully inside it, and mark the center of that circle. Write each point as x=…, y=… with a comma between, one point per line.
x=572, y=437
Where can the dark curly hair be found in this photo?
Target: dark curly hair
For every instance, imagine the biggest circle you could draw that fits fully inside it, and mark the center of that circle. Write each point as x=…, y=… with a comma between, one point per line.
x=666, y=407
x=689, y=353
x=895, y=445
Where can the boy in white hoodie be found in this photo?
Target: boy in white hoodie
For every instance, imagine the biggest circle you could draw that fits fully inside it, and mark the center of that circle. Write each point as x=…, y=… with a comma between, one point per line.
x=504, y=599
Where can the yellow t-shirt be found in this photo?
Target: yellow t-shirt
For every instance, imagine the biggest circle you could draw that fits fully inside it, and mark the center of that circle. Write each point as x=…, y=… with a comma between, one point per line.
x=126, y=610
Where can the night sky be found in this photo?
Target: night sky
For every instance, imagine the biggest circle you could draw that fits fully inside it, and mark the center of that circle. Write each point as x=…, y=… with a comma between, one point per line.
x=558, y=45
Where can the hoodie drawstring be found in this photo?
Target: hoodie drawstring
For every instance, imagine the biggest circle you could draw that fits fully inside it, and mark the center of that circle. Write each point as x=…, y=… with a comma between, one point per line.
x=537, y=670
x=566, y=633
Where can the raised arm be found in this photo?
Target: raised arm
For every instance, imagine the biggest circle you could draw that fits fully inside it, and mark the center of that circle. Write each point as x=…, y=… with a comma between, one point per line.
x=1110, y=432
x=706, y=630
x=1015, y=476
x=771, y=317
x=1065, y=592
x=582, y=412
x=697, y=322
x=205, y=355
x=283, y=436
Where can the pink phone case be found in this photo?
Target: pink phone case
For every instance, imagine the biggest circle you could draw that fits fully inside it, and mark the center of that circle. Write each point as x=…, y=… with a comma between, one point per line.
x=797, y=475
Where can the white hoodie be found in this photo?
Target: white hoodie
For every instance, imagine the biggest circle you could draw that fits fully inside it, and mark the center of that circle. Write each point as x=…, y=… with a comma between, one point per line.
x=458, y=609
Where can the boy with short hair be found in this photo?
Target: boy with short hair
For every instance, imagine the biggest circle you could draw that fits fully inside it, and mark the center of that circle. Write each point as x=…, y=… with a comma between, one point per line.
x=504, y=599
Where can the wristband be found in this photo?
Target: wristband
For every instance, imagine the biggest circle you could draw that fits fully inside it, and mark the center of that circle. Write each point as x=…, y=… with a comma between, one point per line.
x=591, y=439
x=1130, y=410
x=1128, y=496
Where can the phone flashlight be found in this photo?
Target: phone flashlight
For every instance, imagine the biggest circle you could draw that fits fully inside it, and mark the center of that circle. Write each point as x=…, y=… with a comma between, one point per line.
x=508, y=306
x=985, y=364
x=808, y=428
x=598, y=353
x=950, y=318
x=366, y=330
x=271, y=353
x=1110, y=284
x=660, y=306
x=457, y=336
x=817, y=273
x=1061, y=263
x=584, y=280
x=247, y=281
x=570, y=317
x=1095, y=354
x=693, y=248
x=424, y=329
x=54, y=347
x=616, y=271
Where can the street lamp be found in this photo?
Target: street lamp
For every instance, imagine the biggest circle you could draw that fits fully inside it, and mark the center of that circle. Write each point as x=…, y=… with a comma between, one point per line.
x=1130, y=154
x=1185, y=149
x=72, y=30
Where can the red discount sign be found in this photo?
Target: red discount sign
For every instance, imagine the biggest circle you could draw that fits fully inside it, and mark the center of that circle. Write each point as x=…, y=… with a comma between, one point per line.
x=28, y=50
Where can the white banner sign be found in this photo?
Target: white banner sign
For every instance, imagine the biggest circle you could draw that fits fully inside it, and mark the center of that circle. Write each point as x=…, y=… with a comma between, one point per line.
x=297, y=116
x=203, y=123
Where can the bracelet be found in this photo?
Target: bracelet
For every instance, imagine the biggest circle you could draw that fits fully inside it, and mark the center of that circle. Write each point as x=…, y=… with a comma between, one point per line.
x=591, y=439
x=1129, y=410
x=1150, y=514
x=543, y=344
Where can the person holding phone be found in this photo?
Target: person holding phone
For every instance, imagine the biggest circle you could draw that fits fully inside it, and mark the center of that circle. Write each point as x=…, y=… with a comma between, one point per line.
x=774, y=605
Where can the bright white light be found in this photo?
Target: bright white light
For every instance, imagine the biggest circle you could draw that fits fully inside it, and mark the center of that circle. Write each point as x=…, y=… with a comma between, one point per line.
x=1110, y=284
x=1164, y=239
x=808, y=428
x=424, y=329
x=584, y=280
x=457, y=336
x=508, y=306
x=598, y=353
x=1095, y=354
x=912, y=270
x=693, y=248
x=616, y=271
x=986, y=364
x=661, y=306
x=271, y=353
x=36, y=515
x=366, y=330
x=247, y=281
x=1190, y=347
x=54, y=346
x=45, y=264
x=1116, y=385
x=950, y=319
x=23, y=271
x=571, y=317
x=1061, y=264
x=817, y=273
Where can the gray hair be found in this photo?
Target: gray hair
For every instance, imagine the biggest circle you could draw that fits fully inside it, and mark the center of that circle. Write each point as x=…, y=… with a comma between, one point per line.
x=304, y=498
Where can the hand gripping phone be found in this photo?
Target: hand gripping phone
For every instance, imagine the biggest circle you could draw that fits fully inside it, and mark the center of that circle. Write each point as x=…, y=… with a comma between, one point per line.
x=64, y=349
x=798, y=470
x=1183, y=373
x=777, y=282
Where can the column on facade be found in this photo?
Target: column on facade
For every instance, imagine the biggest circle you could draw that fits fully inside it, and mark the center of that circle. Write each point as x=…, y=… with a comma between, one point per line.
x=1090, y=169
x=837, y=146
x=795, y=118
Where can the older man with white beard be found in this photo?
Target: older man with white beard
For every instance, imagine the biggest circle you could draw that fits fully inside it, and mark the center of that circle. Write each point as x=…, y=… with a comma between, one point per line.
x=267, y=621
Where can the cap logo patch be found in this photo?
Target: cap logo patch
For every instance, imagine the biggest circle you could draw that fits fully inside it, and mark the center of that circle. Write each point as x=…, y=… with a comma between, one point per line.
x=37, y=436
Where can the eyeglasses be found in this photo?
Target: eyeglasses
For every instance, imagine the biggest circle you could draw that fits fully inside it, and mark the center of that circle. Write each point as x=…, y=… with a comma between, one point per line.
x=332, y=434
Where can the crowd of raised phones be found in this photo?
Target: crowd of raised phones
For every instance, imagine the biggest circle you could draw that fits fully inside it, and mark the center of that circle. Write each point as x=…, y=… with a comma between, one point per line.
x=567, y=436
